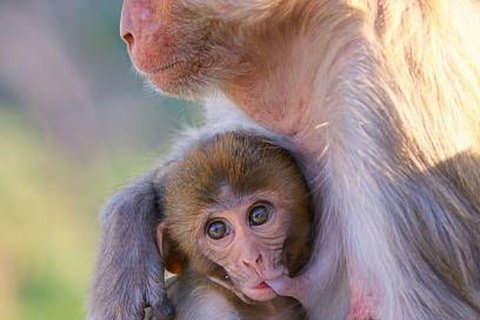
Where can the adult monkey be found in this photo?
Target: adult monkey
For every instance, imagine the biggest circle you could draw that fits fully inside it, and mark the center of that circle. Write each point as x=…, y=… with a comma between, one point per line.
x=382, y=97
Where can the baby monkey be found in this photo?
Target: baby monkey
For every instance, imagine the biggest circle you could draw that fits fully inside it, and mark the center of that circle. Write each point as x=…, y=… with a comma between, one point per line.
x=236, y=215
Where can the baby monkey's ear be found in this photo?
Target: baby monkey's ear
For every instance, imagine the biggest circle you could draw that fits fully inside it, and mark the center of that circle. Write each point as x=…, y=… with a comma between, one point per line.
x=174, y=259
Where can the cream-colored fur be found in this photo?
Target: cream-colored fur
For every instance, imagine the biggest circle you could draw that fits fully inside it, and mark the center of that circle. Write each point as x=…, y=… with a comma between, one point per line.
x=382, y=100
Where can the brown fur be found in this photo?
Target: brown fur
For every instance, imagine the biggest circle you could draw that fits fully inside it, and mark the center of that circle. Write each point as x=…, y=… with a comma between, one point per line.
x=246, y=164
x=219, y=174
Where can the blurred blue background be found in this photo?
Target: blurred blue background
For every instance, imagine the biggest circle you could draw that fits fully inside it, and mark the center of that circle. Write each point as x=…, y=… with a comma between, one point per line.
x=76, y=123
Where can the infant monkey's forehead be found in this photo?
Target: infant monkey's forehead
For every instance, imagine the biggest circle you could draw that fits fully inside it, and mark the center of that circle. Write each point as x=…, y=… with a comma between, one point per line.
x=240, y=161
x=241, y=146
x=236, y=155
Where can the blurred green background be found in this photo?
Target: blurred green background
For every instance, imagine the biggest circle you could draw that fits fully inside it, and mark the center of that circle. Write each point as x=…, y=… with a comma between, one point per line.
x=76, y=123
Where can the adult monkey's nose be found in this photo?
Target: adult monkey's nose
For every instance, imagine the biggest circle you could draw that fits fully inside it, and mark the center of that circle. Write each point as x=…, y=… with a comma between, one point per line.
x=126, y=25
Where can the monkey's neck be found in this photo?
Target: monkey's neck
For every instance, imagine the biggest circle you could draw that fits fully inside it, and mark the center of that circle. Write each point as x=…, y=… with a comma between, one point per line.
x=292, y=84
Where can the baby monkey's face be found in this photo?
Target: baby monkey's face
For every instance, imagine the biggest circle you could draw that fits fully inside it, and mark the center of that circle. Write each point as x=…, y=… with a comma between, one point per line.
x=248, y=238
x=238, y=208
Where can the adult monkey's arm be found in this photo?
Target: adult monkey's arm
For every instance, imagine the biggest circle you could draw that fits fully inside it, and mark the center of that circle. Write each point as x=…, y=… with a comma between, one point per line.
x=129, y=274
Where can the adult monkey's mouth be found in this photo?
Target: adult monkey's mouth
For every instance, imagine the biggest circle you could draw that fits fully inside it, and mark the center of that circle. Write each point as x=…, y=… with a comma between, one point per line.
x=165, y=67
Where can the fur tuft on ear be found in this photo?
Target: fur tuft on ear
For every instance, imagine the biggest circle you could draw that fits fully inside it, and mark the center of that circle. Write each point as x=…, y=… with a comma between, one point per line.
x=174, y=259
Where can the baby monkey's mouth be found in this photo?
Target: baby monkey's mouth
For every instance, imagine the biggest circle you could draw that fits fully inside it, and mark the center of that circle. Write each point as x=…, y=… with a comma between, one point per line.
x=262, y=285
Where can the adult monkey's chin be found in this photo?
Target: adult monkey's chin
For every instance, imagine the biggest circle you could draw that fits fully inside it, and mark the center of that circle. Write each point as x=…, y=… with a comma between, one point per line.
x=180, y=80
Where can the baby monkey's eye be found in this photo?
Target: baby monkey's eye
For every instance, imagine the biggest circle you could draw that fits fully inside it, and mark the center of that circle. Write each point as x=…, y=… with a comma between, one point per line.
x=259, y=214
x=217, y=229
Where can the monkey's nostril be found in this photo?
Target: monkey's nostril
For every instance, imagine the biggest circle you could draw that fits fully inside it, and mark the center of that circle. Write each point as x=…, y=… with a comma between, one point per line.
x=253, y=261
x=128, y=38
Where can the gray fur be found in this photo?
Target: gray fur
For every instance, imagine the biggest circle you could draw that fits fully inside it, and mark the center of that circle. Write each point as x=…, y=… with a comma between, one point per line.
x=128, y=275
